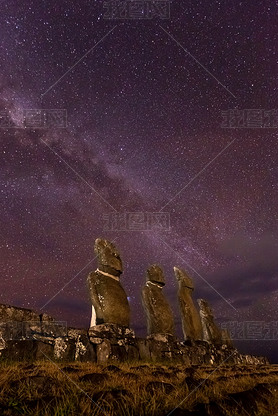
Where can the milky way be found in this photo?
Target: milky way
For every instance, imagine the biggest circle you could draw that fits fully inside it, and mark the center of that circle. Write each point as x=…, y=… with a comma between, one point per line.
x=145, y=102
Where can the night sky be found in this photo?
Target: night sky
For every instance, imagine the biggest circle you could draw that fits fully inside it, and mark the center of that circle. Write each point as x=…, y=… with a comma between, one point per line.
x=145, y=102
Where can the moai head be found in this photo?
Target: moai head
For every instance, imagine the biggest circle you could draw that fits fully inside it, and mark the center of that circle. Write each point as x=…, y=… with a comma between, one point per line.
x=183, y=278
x=155, y=275
x=205, y=309
x=109, y=259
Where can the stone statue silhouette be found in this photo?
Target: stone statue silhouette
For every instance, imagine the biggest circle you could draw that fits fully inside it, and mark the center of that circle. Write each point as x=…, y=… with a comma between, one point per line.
x=109, y=300
x=191, y=323
x=160, y=318
x=211, y=332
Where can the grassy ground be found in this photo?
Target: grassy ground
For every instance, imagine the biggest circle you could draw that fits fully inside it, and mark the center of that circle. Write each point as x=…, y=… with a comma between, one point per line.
x=58, y=389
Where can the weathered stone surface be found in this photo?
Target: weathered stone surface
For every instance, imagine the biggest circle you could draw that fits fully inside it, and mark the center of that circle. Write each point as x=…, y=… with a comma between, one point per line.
x=108, y=256
x=44, y=350
x=144, y=349
x=64, y=349
x=104, y=351
x=160, y=318
x=226, y=338
x=118, y=353
x=191, y=322
x=12, y=313
x=162, y=346
x=117, y=334
x=20, y=350
x=109, y=300
x=133, y=353
x=211, y=332
x=21, y=324
x=84, y=349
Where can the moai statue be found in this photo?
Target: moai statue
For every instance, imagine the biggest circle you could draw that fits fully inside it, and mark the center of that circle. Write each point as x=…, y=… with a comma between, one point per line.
x=226, y=338
x=160, y=318
x=211, y=332
x=109, y=300
x=191, y=322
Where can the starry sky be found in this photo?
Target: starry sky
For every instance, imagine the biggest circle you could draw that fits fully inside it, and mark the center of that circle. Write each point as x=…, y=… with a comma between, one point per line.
x=145, y=100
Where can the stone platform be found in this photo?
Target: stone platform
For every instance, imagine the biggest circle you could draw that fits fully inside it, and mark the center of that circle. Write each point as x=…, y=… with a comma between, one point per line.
x=26, y=335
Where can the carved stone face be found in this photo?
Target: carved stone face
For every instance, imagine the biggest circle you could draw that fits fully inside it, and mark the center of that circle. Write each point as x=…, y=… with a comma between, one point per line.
x=108, y=255
x=183, y=278
x=155, y=275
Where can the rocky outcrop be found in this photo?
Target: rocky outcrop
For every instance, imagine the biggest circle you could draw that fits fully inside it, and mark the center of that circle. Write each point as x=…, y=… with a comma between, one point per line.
x=160, y=318
x=191, y=322
x=109, y=300
x=26, y=334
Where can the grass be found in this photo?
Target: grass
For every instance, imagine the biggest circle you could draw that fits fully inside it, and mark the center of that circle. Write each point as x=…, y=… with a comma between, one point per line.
x=46, y=388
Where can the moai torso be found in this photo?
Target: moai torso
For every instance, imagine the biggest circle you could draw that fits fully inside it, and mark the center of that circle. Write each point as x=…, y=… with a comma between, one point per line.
x=160, y=318
x=226, y=338
x=109, y=300
x=191, y=323
x=211, y=332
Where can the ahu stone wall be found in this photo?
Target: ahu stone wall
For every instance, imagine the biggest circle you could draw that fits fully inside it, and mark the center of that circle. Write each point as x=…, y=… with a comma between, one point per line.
x=26, y=335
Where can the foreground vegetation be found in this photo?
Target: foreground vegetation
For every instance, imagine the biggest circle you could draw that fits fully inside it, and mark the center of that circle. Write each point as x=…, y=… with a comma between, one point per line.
x=47, y=388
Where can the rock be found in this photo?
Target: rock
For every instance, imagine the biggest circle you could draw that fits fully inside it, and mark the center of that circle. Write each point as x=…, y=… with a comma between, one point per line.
x=211, y=332
x=191, y=322
x=23, y=350
x=112, y=332
x=44, y=350
x=84, y=350
x=133, y=353
x=158, y=311
x=118, y=353
x=162, y=347
x=104, y=351
x=109, y=300
x=64, y=349
x=144, y=349
x=20, y=323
